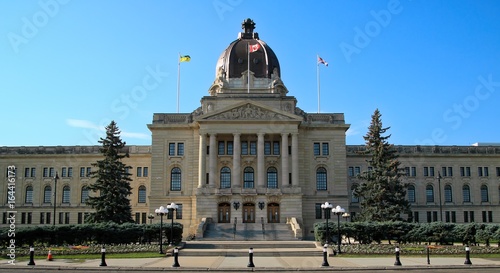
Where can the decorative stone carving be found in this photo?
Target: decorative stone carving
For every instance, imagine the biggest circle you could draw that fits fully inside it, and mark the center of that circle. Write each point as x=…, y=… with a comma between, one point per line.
x=248, y=112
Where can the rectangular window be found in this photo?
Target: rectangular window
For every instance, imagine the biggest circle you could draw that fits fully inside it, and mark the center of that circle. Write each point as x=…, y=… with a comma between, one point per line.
x=137, y=217
x=276, y=147
x=26, y=172
x=407, y=171
x=434, y=216
x=490, y=216
x=426, y=171
x=52, y=172
x=484, y=216
x=447, y=216
x=45, y=172
x=479, y=171
x=416, y=217
x=33, y=172
x=431, y=171
x=351, y=171
x=222, y=148
x=61, y=217
x=444, y=171
x=316, y=150
x=450, y=171
x=89, y=170
x=80, y=218
x=453, y=216
x=47, y=218
x=413, y=171
x=471, y=216
x=70, y=171
x=267, y=147
x=357, y=170
x=318, y=211
x=244, y=148
x=429, y=216
x=178, y=212
x=139, y=172
x=42, y=217
x=229, y=148
x=180, y=149
x=253, y=147
x=64, y=172
x=325, y=149
x=171, y=149
x=82, y=171
x=145, y=171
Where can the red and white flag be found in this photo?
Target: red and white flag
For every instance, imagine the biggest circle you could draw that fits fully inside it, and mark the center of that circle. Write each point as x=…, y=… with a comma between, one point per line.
x=321, y=61
x=253, y=48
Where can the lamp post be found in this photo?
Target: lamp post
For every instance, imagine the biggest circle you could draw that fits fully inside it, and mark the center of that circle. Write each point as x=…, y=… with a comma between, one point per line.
x=327, y=208
x=173, y=206
x=339, y=211
x=346, y=216
x=161, y=211
x=55, y=197
x=440, y=203
x=151, y=217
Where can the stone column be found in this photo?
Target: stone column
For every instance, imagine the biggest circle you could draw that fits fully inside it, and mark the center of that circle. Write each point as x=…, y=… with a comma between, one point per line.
x=260, y=161
x=201, y=160
x=212, y=164
x=236, y=172
x=295, y=159
x=284, y=160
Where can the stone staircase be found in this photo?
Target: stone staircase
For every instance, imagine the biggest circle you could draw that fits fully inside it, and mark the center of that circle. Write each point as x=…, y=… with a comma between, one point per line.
x=260, y=248
x=248, y=232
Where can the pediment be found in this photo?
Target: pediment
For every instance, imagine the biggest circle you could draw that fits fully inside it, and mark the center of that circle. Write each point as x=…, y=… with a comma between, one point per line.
x=250, y=111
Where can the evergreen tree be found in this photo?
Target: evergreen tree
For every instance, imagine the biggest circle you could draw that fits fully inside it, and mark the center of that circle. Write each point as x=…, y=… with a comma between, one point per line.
x=112, y=185
x=382, y=193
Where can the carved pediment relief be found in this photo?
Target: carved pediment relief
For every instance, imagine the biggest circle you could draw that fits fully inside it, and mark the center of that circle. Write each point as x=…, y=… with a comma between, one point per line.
x=249, y=111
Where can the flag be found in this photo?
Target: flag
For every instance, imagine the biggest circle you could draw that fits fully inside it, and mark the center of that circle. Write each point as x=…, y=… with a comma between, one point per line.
x=185, y=58
x=321, y=61
x=253, y=48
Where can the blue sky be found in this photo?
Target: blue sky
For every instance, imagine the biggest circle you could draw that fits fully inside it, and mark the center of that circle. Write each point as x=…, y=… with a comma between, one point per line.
x=67, y=68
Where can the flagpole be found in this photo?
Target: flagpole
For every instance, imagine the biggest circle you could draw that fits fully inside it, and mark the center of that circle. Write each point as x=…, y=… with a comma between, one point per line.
x=248, y=68
x=178, y=79
x=317, y=74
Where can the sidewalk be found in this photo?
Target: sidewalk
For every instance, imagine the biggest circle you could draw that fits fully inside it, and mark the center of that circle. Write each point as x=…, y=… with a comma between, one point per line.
x=227, y=262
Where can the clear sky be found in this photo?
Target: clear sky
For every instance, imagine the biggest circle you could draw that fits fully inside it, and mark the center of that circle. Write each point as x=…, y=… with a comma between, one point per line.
x=67, y=68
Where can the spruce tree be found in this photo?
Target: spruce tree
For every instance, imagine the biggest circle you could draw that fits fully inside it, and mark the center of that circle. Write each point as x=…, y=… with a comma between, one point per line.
x=112, y=185
x=382, y=193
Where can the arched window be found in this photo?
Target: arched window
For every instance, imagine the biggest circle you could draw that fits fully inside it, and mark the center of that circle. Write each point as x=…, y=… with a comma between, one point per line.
x=142, y=194
x=484, y=193
x=411, y=194
x=66, y=194
x=466, y=193
x=321, y=179
x=354, y=198
x=272, y=178
x=248, y=178
x=225, y=178
x=448, y=195
x=175, y=179
x=47, y=194
x=84, y=195
x=29, y=194
x=429, y=193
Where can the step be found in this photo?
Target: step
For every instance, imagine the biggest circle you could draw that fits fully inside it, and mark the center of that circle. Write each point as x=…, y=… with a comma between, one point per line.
x=260, y=248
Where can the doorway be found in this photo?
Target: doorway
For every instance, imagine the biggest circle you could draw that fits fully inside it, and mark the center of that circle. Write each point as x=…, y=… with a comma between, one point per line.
x=224, y=213
x=248, y=213
x=273, y=213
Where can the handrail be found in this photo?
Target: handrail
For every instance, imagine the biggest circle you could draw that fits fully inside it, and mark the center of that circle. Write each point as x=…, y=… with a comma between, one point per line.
x=263, y=228
x=234, y=227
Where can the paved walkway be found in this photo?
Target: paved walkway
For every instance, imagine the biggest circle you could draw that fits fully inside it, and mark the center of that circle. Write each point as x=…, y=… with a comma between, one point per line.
x=225, y=263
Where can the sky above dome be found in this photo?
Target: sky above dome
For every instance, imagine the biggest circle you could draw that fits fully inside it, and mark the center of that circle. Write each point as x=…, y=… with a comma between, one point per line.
x=67, y=68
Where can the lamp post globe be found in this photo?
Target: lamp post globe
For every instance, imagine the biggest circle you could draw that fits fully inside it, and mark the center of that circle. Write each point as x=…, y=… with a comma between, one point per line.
x=171, y=208
x=161, y=211
x=339, y=211
x=327, y=208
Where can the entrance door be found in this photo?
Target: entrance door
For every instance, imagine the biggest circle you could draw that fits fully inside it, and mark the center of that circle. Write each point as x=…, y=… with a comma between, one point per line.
x=224, y=213
x=273, y=213
x=248, y=213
